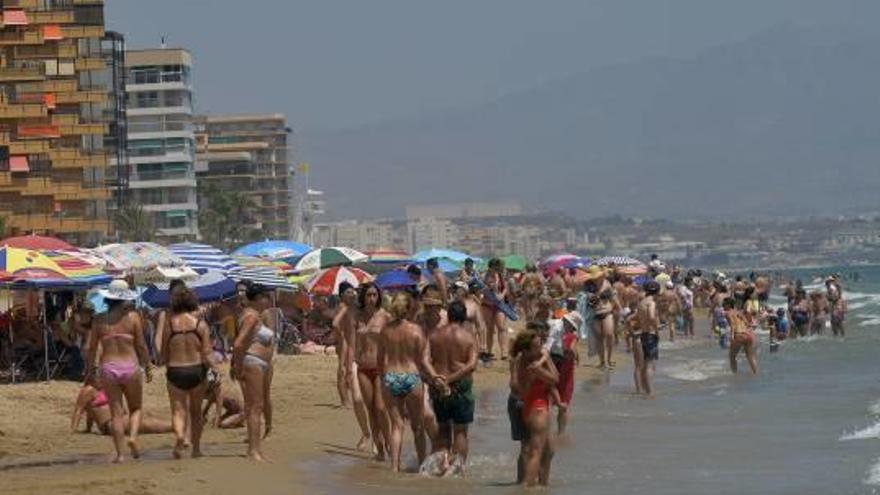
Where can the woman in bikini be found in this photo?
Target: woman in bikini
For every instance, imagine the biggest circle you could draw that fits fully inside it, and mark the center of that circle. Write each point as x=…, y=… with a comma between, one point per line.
x=186, y=352
x=123, y=354
x=537, y=377
x=403, y=360
x=741, y=336
x=371, y=320
x=496, y=323
x=252, y=356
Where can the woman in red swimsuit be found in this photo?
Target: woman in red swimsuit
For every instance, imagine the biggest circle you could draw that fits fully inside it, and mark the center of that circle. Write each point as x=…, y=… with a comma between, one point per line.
x=537, y=376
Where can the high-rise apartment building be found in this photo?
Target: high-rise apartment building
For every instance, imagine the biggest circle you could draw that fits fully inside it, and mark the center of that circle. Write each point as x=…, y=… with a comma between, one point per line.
x=248, y=154
x=161, y=141
x=54, y=98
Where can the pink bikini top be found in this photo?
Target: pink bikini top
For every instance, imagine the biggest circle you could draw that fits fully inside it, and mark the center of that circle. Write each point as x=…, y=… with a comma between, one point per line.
x=100, y=399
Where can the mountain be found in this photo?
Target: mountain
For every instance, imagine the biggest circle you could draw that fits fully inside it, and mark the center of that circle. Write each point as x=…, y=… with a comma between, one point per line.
x=784, y=123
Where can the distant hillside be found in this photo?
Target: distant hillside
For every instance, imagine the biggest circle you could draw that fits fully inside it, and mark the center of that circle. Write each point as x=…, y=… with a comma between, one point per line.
x=787, y=122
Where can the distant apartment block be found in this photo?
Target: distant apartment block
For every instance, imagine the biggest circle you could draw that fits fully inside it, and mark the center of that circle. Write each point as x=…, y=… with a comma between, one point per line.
x=464, y=210
x=54, y=112
x=249, y=154
x=161, y=140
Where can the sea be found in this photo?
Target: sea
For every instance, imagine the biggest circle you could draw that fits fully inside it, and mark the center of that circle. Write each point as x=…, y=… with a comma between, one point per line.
x=808, y=423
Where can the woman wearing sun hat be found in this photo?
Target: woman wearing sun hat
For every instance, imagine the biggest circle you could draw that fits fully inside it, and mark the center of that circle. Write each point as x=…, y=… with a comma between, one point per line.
x=123, y=361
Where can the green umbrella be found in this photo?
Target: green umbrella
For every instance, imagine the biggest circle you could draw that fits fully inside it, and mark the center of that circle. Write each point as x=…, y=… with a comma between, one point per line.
x=513, y=262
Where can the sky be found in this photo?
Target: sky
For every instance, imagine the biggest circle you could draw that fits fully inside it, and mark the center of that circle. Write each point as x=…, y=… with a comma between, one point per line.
x=332, y=64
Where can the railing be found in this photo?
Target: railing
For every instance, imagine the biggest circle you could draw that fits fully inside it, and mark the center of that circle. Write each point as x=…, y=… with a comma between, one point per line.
x=163, y=175
x=156, y=77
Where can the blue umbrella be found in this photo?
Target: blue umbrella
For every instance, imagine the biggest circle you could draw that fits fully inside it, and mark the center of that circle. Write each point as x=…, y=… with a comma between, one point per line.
x=273, y=249
x=446, y=265
x=576, y=263
x=394, y=279
x=457, y=256
x=203, y=258
x=209, y=287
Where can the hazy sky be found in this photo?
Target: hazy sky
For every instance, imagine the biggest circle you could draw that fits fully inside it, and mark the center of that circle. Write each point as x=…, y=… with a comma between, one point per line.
x=332, y=64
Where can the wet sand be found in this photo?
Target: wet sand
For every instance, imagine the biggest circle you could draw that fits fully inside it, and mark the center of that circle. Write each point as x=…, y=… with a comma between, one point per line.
x=38, y=453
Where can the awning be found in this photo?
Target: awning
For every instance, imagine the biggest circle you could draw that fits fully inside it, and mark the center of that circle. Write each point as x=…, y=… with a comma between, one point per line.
x=39, y=131
x=18, y=163
x=52, y=32
x=14, y=17
x=177, y=214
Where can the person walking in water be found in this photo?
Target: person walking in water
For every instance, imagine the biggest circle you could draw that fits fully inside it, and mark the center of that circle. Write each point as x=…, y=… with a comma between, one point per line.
x=403, y=360
x=454, y=352
x=649, y=336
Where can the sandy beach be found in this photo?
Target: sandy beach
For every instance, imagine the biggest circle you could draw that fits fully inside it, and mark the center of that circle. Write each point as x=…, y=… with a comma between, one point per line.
x=38, y=453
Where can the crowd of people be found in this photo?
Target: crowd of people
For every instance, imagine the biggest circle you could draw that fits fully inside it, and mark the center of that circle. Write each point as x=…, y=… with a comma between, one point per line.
x=407, y=359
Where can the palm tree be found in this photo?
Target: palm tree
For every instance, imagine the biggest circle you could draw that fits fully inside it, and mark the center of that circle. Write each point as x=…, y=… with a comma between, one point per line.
x=225, y=217
x=133, y=224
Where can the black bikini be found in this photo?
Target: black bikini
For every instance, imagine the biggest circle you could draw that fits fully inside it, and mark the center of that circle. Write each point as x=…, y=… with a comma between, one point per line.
x=186, y=377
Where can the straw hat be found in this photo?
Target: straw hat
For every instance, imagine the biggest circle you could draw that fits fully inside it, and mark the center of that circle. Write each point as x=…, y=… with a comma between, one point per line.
x=574, y=319
x=118, y=291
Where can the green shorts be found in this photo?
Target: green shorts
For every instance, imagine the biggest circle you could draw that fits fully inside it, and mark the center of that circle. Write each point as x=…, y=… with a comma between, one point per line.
x=457, y=407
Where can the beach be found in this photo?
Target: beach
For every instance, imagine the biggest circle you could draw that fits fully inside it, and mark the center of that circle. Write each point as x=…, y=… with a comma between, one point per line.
x=39, y=454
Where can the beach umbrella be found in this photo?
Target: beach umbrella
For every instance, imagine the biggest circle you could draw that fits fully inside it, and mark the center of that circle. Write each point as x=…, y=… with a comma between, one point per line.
x=446, y=265
x=78, y=268
x=515, y=262
x=147, y=261
x=203, y=258
x=617, y=261
x=326, y=282
x=37, y=242
x=329, y=257
x=395, y=280
x=26, y=266
x=262, y=271
x=557, y=261
x=273, y=249
x=389, y=257
x=209, y=287
x=450, y=254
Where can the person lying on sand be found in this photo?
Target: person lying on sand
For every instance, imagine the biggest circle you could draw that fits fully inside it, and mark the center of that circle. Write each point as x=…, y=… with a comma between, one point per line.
x=94, y=404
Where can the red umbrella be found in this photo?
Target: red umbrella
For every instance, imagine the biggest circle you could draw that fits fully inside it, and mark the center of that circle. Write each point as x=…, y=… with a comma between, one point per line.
x=37, y=242
x=326, y=282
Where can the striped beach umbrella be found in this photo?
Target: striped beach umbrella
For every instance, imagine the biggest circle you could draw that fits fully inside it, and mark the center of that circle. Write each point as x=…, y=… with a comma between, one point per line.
x=326, y=282
x=202, y=257
x=262, y=271
x=617, y=261
x=389, y=257
x=328, y=258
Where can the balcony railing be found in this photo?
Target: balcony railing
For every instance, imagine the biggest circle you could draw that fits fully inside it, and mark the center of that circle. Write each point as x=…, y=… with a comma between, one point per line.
x=163, y=175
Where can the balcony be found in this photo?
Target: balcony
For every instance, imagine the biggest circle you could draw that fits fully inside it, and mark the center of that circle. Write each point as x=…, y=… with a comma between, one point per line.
x=21, y=38
x=13, y=74
x=191, y=206
x=57, y=223
x=82, y=31
x=74, y=159
x=45, y=51
x=22, y=110
x=51, y=86
x=71, y=97
x=21, y=4
x=28, y=147
x=51, y=17
x=82, y=64
x=162, y=178
x=84, y=129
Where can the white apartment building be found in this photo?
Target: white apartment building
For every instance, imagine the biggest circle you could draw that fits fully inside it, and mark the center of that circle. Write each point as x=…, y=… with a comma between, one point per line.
x=161, y=142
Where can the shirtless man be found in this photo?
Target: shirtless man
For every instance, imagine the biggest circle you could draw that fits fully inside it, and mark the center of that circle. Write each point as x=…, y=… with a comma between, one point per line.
x=439, y=278
x=403, y=360
x=762, y=289
x=431, y=317
x=649, y=328
x=345, y=325
x=686, y=303
x=468, y=272
x=667, y=308
x=628, y=295
x=819, y=310
x=454, y=357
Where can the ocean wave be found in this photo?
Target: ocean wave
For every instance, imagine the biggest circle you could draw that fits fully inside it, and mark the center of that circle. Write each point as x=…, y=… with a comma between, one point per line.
x=870, y=323
x=872, y=431
x=874, y=408
x=696, y=370
x=873, y=474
